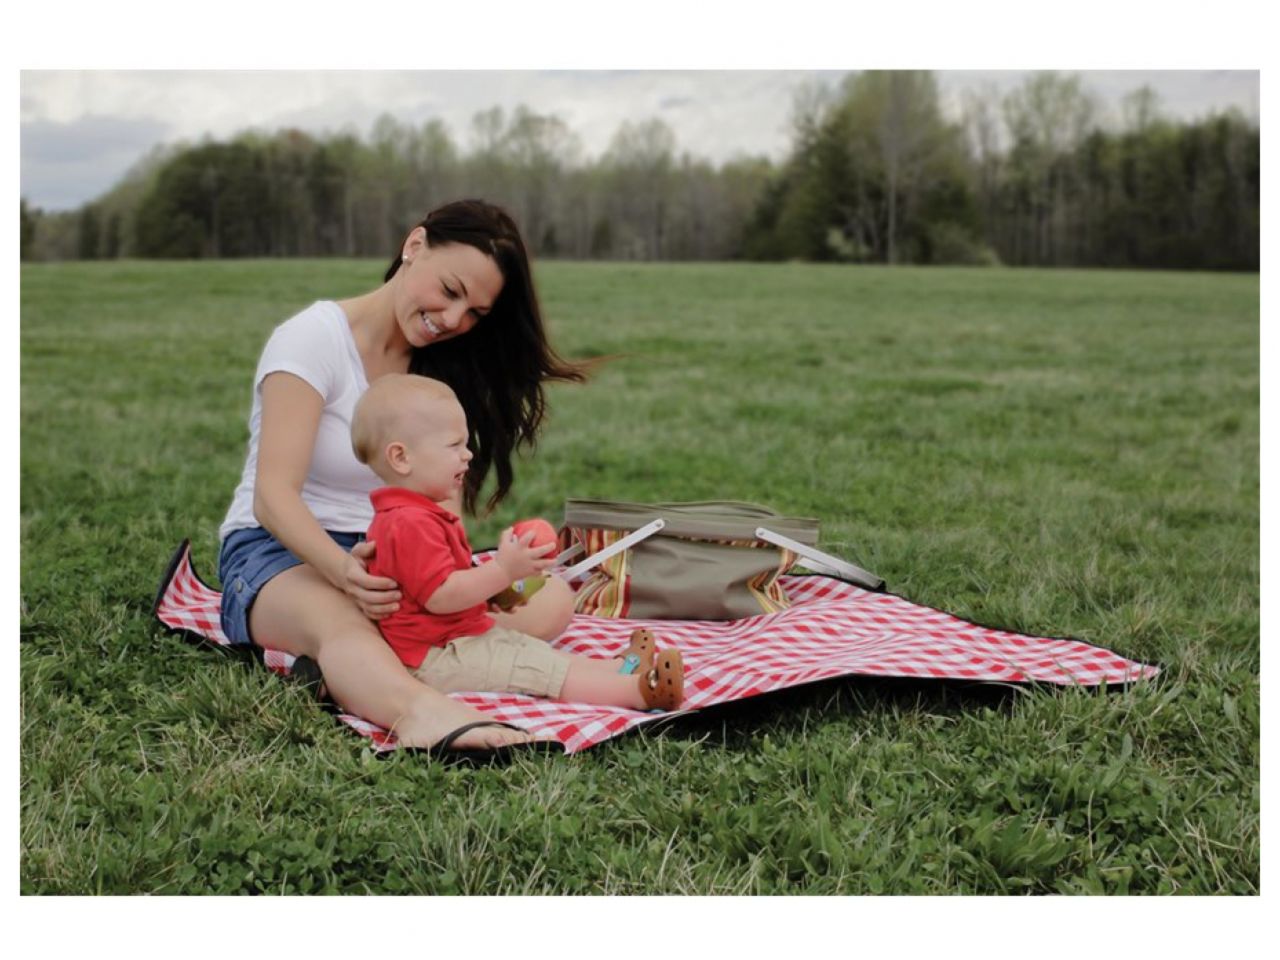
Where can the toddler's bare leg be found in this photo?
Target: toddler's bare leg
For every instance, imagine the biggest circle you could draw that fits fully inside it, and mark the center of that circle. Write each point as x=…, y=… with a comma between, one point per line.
x=598, y=681
x=545, y=616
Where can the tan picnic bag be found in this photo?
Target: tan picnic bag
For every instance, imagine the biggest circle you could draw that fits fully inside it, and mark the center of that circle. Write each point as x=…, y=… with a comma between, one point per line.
x=710, y=560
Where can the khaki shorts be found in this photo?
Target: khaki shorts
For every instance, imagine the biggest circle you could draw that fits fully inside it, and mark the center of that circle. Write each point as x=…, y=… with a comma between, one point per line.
x=498, y=661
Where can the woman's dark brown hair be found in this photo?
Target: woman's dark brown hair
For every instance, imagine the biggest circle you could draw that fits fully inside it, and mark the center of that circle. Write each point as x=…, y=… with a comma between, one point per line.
x=497, y=369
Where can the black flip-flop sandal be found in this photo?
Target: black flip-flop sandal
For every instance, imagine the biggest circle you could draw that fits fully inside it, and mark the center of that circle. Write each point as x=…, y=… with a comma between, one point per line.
x=306, y=673
x=445, y=752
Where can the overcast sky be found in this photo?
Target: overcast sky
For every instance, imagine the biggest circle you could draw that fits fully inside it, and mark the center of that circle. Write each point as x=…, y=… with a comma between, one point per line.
x=81, y=130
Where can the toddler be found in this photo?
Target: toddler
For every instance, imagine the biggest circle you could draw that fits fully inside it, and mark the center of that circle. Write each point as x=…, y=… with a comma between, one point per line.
x=412, y=432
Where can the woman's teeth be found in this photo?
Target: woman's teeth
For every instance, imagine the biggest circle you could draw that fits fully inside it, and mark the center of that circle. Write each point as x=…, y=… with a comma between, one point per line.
x=431, y=327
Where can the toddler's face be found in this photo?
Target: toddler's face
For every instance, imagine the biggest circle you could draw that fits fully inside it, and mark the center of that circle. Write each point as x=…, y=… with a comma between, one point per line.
x=439, y=455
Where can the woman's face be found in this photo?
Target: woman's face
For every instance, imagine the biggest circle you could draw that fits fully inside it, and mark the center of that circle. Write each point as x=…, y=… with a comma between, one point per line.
x=444, y=290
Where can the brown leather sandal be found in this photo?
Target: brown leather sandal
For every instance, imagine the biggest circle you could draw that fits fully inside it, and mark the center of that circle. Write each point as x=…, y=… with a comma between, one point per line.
x=638, y=657
x=663, y=686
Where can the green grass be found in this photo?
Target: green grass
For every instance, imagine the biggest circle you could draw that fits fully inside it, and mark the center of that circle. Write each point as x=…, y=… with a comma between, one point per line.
x=1067, y=452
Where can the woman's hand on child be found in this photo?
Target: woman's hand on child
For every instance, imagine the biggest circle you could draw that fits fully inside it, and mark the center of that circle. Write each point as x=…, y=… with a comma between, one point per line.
x=519, y=559
x=377, y=597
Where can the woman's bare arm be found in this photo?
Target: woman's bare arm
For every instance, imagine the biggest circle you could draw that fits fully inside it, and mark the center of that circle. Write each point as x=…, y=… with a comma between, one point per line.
x=291, y=411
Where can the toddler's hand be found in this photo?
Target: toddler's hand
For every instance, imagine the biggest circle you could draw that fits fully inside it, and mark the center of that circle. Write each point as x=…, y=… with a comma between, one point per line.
x=518, y=559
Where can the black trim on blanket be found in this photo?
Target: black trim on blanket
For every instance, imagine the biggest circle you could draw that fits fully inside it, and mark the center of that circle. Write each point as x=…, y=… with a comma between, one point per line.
x=254, y=653
x=236, y=651
x=883, y=589
x=170, y=570
x=1014, y=630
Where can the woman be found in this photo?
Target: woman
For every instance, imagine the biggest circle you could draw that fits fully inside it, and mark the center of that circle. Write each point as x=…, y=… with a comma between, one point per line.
x=457, y=304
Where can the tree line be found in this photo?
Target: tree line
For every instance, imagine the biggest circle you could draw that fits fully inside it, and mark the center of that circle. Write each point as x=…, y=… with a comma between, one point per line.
x=877, y=173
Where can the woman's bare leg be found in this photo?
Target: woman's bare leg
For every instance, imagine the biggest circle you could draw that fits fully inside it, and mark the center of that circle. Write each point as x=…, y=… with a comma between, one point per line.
x=546, y=615
x=301, y=613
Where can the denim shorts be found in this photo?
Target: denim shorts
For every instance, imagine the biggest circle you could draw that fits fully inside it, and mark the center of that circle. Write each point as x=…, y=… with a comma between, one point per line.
x=248, y=559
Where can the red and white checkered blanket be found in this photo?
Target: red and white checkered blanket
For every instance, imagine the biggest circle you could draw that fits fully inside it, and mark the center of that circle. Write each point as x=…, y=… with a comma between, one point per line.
x=833, y=629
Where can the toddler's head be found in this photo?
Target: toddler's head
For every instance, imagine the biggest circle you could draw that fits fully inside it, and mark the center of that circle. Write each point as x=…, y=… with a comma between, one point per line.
x=412, y=432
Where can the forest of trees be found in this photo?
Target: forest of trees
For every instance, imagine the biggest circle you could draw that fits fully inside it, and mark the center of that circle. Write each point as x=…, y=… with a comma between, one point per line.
x=877, y=173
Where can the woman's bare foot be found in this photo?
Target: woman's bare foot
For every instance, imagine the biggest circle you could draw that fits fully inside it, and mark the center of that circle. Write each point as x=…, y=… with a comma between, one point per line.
x=430, y=719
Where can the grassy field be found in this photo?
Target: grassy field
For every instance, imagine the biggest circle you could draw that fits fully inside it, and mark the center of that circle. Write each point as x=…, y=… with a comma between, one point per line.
x=1068, y=452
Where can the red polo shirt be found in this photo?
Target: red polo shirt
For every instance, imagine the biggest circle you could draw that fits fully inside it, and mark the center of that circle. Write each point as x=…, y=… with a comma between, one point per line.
x=418, y=544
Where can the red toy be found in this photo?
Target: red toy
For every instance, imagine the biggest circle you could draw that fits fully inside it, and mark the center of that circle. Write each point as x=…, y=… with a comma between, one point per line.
x=543, y=532
x=518, y=594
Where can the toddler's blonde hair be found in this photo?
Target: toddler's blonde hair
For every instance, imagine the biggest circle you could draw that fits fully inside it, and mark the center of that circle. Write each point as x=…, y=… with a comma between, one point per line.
x=387, y=412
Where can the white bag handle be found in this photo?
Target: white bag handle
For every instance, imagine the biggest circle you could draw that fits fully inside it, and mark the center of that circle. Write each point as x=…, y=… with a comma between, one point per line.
x=567, y=555
x=630, y=540
x=820, y=562
x=814, y=559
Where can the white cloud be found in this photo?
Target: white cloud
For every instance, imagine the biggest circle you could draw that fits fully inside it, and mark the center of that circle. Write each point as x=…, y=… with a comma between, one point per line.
x=715, y=114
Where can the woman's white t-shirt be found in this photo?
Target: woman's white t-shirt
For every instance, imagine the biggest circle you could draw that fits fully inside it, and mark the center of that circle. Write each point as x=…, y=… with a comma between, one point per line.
x=315, y=345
